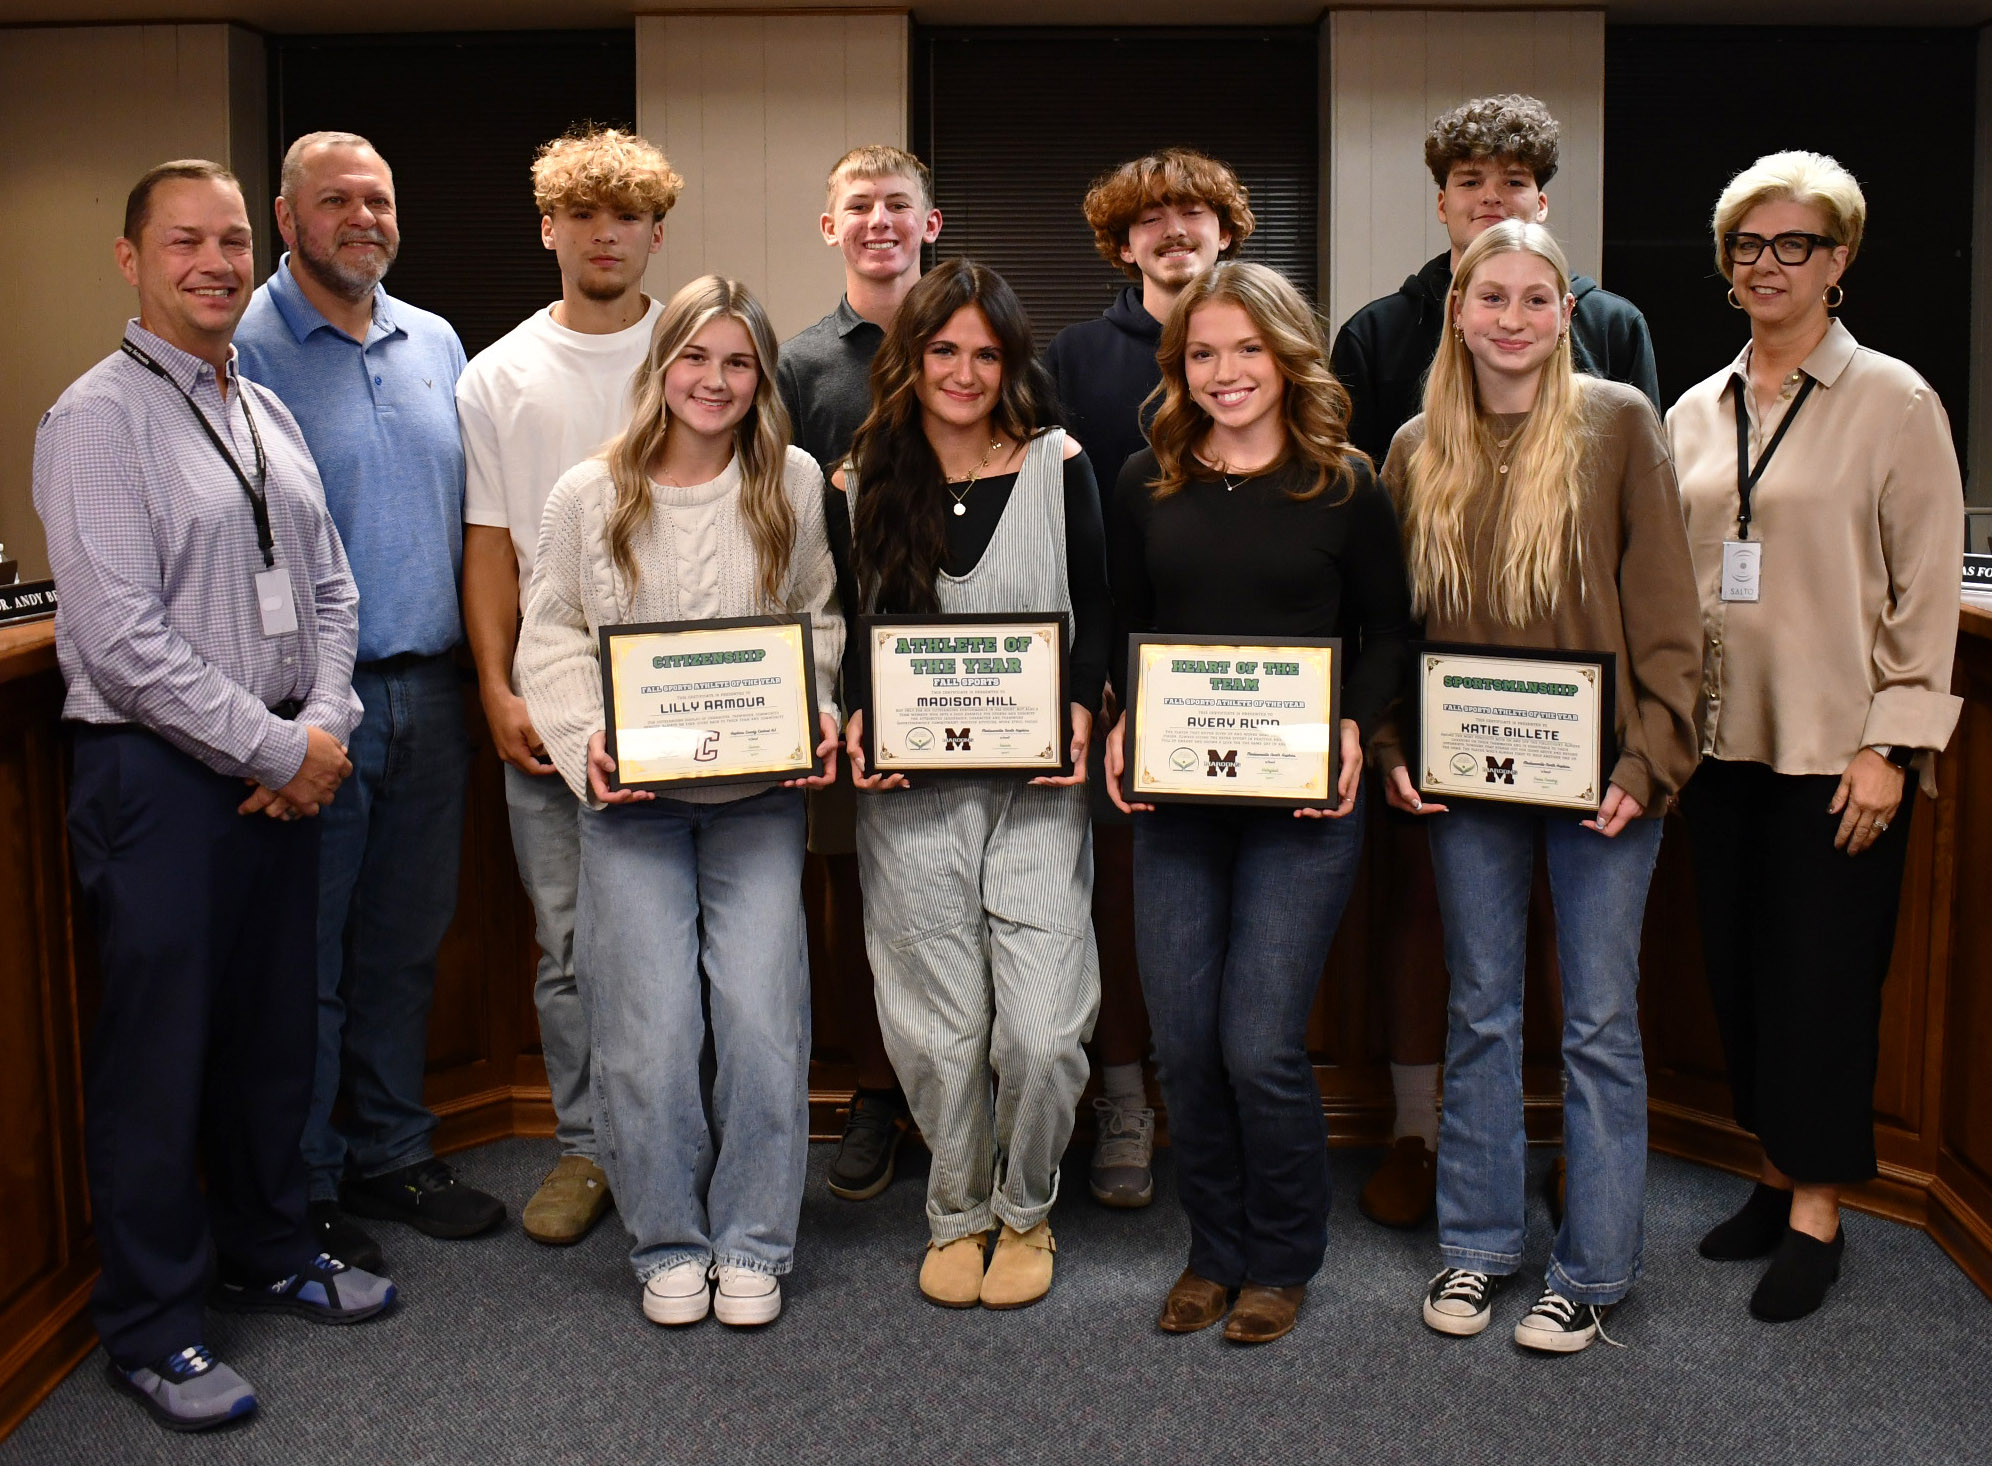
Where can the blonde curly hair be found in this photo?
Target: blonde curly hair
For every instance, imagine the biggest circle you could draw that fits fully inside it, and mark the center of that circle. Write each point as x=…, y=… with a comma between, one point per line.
x=604, y=166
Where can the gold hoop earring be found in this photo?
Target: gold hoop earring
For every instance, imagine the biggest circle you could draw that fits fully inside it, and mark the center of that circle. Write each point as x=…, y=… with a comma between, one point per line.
x=1833, y=297
x=1734, y=303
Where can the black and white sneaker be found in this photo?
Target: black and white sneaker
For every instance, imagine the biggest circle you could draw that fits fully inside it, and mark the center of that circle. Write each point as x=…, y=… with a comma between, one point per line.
x=1558, y=1326
x=1457, y=1302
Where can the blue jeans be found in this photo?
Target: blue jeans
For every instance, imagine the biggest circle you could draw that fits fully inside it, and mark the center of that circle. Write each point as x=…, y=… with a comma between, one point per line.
x=547, y=846
x=692, y=914
x=387, y=888
x=1235, y=912
x=1485, y=861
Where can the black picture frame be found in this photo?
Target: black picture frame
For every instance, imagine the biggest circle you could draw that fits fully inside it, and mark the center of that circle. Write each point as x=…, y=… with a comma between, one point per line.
x=812, y=730
x=1056, y=620
x=1253, y=801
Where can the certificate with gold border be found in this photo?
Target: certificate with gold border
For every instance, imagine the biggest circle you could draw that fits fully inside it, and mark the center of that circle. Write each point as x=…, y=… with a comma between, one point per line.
x=1216, y=720
x=710, y=702
x=1514, y=725
x=968, y=693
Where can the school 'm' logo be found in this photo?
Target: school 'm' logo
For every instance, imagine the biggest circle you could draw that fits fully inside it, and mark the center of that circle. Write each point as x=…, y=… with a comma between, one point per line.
x=957, y=740
x=1223, y=765
x=1500, y=770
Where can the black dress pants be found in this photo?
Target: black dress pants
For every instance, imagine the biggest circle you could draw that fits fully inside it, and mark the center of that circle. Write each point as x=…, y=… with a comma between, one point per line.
x=206, y=925
x=1797, y=938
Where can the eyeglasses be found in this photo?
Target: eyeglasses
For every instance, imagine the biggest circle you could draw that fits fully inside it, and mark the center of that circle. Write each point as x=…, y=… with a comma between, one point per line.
x=1794, y=248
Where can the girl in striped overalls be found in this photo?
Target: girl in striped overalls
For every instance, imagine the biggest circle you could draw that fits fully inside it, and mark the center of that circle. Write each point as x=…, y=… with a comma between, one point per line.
x=978, y=889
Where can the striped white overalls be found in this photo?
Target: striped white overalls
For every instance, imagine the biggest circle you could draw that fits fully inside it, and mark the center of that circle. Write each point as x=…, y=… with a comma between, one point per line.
x=978, y=922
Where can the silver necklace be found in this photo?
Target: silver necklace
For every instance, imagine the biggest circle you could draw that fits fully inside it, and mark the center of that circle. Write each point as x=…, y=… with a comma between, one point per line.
x=961, y=508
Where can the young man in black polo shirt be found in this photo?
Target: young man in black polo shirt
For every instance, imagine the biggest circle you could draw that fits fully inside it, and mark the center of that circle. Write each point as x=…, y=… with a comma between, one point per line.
x=1491, y=159
x=1161, y=220
x=879, y=213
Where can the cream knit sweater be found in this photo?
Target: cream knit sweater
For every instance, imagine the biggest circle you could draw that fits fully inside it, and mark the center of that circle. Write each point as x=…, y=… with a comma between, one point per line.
x=698, y=565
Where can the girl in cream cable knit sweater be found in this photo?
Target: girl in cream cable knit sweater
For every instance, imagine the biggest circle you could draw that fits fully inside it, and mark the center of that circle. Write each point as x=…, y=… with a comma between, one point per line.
x=691, y=901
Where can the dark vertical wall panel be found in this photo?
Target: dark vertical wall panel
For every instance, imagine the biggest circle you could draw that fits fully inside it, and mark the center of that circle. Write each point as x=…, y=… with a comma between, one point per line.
x=458, y=118
x=1686, y=107
x=1017, y=123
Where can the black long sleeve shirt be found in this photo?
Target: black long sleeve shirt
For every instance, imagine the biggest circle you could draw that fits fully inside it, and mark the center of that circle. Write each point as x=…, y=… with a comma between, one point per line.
x=1254, y=562
x=1085, y=576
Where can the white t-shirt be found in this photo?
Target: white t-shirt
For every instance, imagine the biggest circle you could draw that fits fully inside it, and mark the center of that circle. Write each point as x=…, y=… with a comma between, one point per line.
x=534, y=403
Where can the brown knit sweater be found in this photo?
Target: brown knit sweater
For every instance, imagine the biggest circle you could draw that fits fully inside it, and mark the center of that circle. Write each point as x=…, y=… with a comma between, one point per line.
x=1637, y=598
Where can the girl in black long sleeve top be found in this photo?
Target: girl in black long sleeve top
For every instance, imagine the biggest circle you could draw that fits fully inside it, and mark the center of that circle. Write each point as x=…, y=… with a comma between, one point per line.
x=1250, y=517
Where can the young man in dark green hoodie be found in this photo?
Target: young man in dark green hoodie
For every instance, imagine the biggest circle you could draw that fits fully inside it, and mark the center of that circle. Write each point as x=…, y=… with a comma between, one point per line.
x=1491, y=159
x=1161, y=220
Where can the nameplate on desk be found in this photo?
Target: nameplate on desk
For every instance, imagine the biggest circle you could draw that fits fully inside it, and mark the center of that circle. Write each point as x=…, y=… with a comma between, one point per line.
x=1978, y=573
x=28, y=601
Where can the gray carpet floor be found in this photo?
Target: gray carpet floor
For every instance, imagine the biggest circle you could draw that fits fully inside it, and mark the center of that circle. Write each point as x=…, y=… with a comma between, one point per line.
x=502, y=1351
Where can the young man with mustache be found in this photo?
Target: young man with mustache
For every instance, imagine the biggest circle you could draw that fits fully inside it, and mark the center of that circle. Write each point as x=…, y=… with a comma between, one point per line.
x=533, y=404
x=372, y=382
x=1161, y=220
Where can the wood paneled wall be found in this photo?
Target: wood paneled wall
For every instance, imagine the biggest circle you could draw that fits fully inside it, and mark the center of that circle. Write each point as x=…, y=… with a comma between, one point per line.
x=753, y=110
x=1933, y=1097
x=1388, y=73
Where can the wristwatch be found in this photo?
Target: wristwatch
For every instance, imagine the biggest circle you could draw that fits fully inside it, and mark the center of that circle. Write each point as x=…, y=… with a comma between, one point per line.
x=1901, y=755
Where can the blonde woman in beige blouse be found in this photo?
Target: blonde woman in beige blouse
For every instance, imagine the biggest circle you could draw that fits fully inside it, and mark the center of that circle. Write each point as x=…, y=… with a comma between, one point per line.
x=1829, y=596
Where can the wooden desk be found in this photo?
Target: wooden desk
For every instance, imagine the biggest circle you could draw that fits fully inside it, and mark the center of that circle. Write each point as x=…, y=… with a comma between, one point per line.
x=1933, y=1099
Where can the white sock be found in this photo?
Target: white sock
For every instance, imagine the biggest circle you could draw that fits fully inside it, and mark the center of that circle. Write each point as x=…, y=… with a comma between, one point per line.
x=1417, y=1088
x=1122, y=1084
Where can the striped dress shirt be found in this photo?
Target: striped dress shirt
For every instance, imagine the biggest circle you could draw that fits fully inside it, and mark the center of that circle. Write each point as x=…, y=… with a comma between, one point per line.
x=153, y=547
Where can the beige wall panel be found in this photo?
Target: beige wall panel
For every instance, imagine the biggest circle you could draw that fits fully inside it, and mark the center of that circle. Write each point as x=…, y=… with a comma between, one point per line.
x=753, y=110
x=1391, y=72
x=120, y=99
x=1979, y=437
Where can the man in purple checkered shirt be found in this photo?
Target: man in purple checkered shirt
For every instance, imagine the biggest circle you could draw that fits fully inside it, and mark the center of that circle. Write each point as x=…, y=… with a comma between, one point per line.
x=206, y=633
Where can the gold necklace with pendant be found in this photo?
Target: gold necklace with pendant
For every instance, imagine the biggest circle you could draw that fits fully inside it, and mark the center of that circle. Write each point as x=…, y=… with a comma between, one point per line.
x=961, y=508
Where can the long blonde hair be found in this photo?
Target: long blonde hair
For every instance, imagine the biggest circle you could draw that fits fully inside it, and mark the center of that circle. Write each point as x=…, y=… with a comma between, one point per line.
x=1539, y=549
x=1314, y=405
x=761, y=438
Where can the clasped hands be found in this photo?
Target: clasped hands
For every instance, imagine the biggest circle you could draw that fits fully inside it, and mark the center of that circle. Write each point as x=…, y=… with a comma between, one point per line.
x=318, y=778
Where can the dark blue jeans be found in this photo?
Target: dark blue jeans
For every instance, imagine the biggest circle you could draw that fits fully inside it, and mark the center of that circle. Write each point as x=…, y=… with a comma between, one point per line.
x=387, y=890
x=199, y=1064
x=1236, y=910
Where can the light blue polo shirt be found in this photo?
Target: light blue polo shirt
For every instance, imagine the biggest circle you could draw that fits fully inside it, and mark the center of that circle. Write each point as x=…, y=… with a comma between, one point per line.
x=380, y=419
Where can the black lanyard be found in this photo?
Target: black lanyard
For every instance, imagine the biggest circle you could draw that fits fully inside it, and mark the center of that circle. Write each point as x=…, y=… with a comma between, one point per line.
x=1746, y=476
x=259, y=502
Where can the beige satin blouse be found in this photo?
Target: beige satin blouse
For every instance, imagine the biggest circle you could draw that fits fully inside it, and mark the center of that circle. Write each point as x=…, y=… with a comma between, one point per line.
x=1860, y=515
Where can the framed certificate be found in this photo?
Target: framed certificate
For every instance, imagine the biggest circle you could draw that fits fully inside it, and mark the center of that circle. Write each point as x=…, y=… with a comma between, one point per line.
x=1511, y=725
x=968, y=694
x=710, y=702
x=1212, y=720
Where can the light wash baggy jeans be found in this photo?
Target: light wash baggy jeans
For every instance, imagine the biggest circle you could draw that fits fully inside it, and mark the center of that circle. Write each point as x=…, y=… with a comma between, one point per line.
x=1485, y=862
x=691, y=914
x=546, y=843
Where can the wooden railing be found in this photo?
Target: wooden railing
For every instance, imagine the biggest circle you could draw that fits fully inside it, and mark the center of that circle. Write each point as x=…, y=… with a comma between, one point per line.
x=1933, y=1099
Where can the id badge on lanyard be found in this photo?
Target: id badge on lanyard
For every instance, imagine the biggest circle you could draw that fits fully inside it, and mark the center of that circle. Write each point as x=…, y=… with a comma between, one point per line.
x=1743, y=557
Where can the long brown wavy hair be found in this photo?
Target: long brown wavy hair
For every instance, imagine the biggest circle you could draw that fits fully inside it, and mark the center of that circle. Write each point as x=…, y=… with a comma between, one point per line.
x=1314, y=405
x=760, y=439
x=899, y=520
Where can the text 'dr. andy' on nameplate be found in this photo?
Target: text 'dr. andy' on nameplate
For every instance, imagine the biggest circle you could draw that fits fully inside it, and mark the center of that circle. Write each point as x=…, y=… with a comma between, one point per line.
x=1217, y=721
x=710, y=702
x=1515, y=726
x=968, y=694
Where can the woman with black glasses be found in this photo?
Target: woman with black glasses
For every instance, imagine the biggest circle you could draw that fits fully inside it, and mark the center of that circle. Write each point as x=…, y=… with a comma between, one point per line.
x=1823, y=506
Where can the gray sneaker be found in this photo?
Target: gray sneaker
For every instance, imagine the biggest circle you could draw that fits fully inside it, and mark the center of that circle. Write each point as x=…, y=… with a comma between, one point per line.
x=1123, y=1151
x=188, y=1390
x=325, y=1291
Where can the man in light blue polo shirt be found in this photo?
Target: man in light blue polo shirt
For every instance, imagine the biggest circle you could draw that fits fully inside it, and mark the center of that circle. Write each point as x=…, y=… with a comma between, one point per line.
x=372, y=382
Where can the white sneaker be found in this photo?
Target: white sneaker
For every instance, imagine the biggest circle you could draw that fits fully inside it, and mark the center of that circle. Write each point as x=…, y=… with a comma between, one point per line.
x=745, y=1297
x=678, y=1295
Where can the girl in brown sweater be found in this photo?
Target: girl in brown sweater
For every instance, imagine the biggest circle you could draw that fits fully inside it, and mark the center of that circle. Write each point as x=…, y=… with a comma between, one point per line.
x=1540, y=512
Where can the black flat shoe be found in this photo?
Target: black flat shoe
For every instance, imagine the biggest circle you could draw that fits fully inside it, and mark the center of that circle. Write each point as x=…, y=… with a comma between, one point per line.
x=1801, y=1271
x=1754, y=1231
